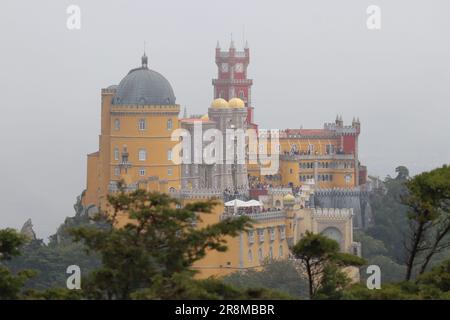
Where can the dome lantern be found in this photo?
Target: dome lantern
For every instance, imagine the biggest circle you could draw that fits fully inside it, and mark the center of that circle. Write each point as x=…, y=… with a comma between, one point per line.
x=144, y=61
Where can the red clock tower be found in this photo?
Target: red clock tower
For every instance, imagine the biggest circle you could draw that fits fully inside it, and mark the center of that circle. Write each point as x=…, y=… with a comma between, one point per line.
x=232, y=79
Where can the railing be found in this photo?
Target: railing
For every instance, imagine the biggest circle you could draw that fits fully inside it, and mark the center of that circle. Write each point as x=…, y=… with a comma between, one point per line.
x=317, y=156
x=196, y=193
x=234, y=81
x=238, y=54
x=279, y=190
x=269, y=215
x=113, y=187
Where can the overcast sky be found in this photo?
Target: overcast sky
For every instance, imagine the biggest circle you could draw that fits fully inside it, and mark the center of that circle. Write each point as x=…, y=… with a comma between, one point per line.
x=309, y=60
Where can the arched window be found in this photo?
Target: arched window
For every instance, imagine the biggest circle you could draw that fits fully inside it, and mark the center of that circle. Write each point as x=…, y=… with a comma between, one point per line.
x=117, y=171
x=117, y=124
x=142, y=155
x=348, y=178
x=142, y=172
x=116, y=153
x=169, y=124
x=270, y=252
x=294, y=148
x=260, y=255
x=142, y=124
x=169, y=154
x=250, y=255
x=280, y=251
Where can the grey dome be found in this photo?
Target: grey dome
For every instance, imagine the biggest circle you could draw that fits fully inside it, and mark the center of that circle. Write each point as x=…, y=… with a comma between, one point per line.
x=143, y=86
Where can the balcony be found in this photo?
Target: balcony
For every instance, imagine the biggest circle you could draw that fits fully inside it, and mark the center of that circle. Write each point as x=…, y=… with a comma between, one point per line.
x=261, y=216
x=232, y=81
x=298, y=157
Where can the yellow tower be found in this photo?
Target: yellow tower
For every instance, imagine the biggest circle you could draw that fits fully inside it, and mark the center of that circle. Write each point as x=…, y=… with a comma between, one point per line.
x=137, y=119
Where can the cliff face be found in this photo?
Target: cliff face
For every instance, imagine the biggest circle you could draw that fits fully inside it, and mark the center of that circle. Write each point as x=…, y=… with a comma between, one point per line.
x=83, y=216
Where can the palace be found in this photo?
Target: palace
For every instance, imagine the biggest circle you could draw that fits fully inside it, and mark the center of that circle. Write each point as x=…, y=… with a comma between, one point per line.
x=319, y=184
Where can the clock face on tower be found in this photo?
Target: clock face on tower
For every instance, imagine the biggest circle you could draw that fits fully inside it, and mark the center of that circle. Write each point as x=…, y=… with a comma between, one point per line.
x=224, y=67
x=238, y=67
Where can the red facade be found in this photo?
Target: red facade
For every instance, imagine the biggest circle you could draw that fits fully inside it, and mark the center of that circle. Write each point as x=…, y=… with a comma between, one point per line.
x=232, y=81
x=349, y=143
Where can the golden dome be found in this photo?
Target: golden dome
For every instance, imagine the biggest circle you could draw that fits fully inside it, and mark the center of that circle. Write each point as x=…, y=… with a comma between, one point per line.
x=219, y=103
x=236, y=103
x=204, y=117
x=289, y=197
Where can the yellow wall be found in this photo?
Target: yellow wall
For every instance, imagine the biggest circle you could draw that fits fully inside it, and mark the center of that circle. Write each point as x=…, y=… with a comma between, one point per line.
x=237, y=256
x=155, y=139
x=291, y=170
x=92, y=184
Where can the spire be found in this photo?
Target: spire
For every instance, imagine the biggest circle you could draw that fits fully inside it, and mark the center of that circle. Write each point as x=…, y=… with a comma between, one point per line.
x=232, y=42
x=218, y=45
x=144, y=58
x=185, y=113
x=246, y=44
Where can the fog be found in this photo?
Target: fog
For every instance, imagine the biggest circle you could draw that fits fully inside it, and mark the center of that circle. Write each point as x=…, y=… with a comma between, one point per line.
x=310, y=60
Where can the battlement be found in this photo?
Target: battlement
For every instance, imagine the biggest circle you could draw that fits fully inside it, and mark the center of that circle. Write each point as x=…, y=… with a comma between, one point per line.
x=332, y=213
x=345, y=192
x=279, y=191
x=109, y=90
x=125, y=109
x=196, y=194
x=341, y=130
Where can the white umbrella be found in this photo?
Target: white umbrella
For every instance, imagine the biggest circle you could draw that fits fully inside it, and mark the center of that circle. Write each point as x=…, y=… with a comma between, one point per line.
x=235, y=203
x=254, y=203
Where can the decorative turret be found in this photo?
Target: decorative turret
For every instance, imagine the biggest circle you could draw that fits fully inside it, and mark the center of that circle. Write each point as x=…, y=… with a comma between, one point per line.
x=232, y=47
x=356, y=124
x=288, y=200
x=339, y=121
